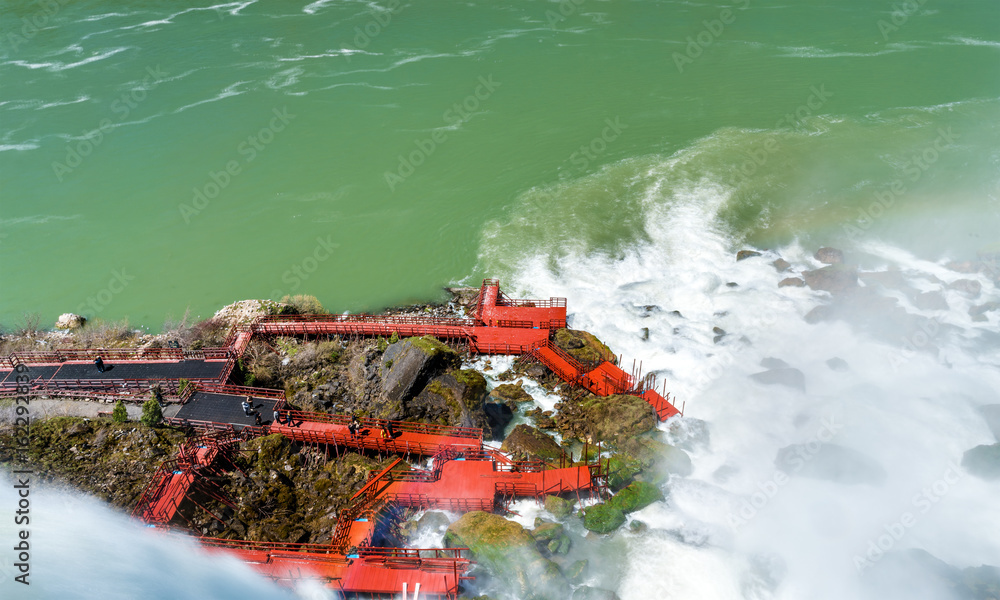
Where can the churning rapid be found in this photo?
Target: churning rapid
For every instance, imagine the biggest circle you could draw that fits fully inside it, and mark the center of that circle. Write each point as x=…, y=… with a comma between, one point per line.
x=619, y=154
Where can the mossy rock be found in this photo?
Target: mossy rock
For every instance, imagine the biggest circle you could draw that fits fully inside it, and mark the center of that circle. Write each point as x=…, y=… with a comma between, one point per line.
x=603, y=518
x=475, y=387
x=508, y=552
x=660, y=457
x=584, y=346
x=526, y=443
x=637, y=495
x=431, y=346
x=551, y=538
x=605, y=418
x=510, y=393
x=622, y=470
x=576, y=571
x=559, y=507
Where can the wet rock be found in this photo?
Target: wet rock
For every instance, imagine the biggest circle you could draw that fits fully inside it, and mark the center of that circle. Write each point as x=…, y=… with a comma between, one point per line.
x=676, y=313
x=991, y=413
x=829, y=256
x=645, y=333
x=982, y=309
x=510, y=394
x=636, y=496
x=689, y=433
x=537, y=371
x=559, y=507
x=782, y=265
x=732, y=284
x=787, y=376
x=791, y=282
x=720, y=333
x=836, y=279
x=585, y=592
x=657, y=457
x=550, y=538
x=929, y=301
x=527, y=443
x=837, y=364
x=454, y=398
x=830, y=462
x=745, y=254
x=969, y=287
x=70, y=321
x=583, y=346
x=509, y=553
x=983, y=461
x=603, y=518
x=605, y=418
x=773, y=363
x=637, y=526
x=577, y=571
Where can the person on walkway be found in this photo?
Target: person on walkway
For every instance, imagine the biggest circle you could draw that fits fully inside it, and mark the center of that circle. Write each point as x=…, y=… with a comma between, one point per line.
x=248, y=407
x=256, y=418
x=354, y=426
x=99, y=363
x=277, y=417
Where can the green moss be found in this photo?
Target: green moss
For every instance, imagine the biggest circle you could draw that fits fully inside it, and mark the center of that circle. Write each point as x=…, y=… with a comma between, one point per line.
x=431, y=346
x=621, y=470
x=635, y=496
x=603, y=518
x=436, y=387
x=584, y=346
x=559, y=507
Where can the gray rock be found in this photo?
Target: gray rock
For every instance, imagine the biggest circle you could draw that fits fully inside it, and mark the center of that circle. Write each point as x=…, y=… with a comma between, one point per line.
x=983, y=461
x=836, y=279
x=837, y=364
x=787, y=376
x=929, y=301
x=829, y=256
x=745, y=254
x=782, y=265
x=969, y=287
x=408, y=364
x=773, y=363
x=830, y=462
x=791, y=282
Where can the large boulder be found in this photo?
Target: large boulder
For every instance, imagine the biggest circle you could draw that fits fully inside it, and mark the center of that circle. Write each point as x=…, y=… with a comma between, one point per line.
x=409, y=364
x=636, y=496
x=527, y=443
x=657, y=457
x=745, y=254
x=550, y=538
x=829, y=256
x=510, y=394
x=559, y=507
x=983, y=461
x=508, y=552
x=70, y=321
x=454, y=398
x=603, y=518
x=605, y=418
x=787, y=376
x=830, y=462
x=583, y=346
x=836, y=279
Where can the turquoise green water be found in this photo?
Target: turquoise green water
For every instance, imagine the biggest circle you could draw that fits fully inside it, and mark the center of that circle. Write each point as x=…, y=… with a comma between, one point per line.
x=114, y=120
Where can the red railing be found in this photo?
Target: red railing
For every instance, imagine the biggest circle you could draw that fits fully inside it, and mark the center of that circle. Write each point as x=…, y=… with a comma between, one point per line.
x=60, y=355
x=240, y=390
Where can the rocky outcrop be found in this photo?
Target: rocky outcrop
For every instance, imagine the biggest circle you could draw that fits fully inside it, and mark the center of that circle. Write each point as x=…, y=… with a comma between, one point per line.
x=245, y=311
x=527, y=443
x=604, y=418
x=745, y=254
x=550, y=538
x=559, y=507
x=70, y=321
x=636, y=496
x=454, y=398
x=510, y=394
x=830, y=462
x=508, y=553
x=603, y=518
x=583, y=346
x=787, y=376
x=781, y=265
x=791, y=282
x=407, y=365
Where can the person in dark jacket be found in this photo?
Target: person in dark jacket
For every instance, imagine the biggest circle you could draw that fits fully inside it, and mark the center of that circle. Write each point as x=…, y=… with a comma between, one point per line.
x=99, y=363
